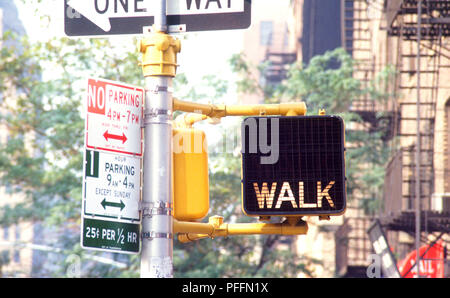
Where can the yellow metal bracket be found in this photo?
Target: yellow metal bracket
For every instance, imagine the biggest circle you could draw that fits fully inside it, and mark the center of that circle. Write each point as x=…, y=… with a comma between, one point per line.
x=190, y=231
x=159, y=54
x=187, y=120
x=219, y=111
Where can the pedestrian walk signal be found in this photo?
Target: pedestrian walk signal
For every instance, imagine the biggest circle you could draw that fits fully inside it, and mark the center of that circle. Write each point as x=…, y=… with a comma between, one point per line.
x=293, y=166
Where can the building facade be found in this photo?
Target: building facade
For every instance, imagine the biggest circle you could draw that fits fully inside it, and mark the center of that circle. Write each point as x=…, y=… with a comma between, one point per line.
x=381, y=34
x=268, y=40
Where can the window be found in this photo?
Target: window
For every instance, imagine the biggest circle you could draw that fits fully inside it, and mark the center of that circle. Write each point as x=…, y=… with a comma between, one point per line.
x=6, y=233
x=266, y=31
x=17, y=232
x=16, y=255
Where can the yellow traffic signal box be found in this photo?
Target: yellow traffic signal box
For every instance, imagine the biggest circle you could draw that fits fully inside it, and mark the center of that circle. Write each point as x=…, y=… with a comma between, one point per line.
x=190, y=174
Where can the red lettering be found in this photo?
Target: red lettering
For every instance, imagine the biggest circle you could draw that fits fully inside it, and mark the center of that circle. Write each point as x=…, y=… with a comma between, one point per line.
x=96, y=97
x=137, y=100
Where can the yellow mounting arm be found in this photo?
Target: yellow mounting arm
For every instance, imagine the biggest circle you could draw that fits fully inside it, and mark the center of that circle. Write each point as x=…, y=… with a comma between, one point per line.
x=189, y=231
x=219, y=111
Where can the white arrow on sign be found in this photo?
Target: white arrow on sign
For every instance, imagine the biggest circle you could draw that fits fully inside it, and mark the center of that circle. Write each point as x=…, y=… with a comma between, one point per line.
x=100, y=12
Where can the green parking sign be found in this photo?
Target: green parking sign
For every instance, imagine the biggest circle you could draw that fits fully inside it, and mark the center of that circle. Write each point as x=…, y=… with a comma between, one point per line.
x=110, y=235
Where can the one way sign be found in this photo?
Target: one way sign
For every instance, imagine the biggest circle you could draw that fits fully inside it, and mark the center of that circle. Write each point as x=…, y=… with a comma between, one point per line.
x=111, y=17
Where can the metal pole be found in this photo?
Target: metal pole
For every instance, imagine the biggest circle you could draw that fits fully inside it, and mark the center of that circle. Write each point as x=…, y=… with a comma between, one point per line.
x=157, y=226
x=160, y=18
x=418, y=142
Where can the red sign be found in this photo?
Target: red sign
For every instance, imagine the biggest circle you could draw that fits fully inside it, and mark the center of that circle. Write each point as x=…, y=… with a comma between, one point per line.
x=431, y=264
x=114, y=115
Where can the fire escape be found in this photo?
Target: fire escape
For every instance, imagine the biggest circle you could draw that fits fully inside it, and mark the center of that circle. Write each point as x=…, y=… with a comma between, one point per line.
x=277, y=70
x=353, y=245
x=279, y=57
x=400, y=186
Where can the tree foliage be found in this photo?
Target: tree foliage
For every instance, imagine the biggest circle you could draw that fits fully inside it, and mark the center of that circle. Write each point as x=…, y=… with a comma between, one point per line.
x=43, y=87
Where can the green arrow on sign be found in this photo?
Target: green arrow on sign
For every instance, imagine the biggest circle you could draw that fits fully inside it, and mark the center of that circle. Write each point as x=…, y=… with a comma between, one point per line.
x=120, y=205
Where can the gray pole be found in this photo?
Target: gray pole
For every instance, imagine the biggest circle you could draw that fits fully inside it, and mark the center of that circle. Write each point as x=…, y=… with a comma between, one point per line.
x=157, y=226
x=418, y=142
x=160, y=21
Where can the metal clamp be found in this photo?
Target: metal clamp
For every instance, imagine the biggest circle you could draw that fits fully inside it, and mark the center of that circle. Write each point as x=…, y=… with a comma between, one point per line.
x=157, y=208
x=153, y=235
x=153, y=112
x=181, y=28
x=159, y=116
x=157, y=88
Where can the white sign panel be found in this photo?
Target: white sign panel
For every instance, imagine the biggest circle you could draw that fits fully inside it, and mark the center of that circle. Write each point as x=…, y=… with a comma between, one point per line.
x=114, y=116
x=112, y=186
